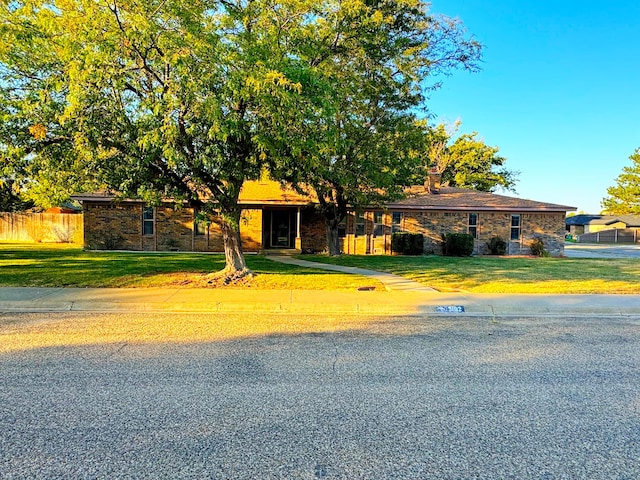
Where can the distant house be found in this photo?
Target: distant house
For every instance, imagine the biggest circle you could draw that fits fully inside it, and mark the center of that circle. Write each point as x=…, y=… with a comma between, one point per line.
x=604, y=228
x=580, y=224
x=276, y=219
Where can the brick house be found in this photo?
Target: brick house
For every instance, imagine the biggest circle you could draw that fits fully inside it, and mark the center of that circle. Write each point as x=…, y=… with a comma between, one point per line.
x=276, y=219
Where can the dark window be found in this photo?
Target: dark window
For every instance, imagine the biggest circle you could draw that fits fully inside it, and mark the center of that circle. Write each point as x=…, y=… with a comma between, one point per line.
x=515, y=227
x=396, y=221
x=200, y=227
x=342, y=228
x=147, y=220
x=378, y=226
x=360, y=223
x=473, y=225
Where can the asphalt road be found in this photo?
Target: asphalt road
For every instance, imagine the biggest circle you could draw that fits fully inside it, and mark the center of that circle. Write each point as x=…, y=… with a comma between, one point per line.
x=428, y=398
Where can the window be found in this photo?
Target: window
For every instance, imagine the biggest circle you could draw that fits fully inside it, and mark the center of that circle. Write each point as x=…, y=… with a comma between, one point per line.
x=342, y=228
x=396, y=221
x=147, y=220
x=473, y=225
x=360, y=223
x=200, y=227
x=515, y=227
x=378, y=226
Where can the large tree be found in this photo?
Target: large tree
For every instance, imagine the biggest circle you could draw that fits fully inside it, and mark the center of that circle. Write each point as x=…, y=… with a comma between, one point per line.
x=187, y=100
x=155, y=99
x=624, y=197
x=373, y=61
x=466, y=161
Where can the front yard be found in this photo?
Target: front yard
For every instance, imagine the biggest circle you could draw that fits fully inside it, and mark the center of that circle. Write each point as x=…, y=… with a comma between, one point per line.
x=505, y=274
x=65, y=265
x=59, y=265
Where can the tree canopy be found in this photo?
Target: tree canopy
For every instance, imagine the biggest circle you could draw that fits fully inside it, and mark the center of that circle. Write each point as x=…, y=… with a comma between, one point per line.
x=362, y=143
x=624, y=197
x=187, y=100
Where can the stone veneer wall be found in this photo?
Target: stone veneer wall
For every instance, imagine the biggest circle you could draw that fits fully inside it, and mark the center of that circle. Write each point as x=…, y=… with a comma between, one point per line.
x=313, y=232
x=119, y=226
x=435, y=224
x=113, y=226
x=549, y=227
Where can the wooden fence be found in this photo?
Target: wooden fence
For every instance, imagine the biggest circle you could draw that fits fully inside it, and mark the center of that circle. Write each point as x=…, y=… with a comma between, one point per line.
x=626, y=235
x=41, y=227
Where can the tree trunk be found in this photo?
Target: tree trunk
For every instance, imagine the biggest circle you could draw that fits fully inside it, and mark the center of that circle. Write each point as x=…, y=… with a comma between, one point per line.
x=333, y=239
x=333, y=207
x=235, y=264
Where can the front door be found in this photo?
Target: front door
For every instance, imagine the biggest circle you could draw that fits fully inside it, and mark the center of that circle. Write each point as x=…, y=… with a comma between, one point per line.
x=282, y=227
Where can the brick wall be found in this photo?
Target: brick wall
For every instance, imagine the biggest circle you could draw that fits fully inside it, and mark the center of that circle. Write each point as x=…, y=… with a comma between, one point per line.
x=173, y=229
x=435, y=224
x=119, y=226
x=113, y=226
x=313, y=232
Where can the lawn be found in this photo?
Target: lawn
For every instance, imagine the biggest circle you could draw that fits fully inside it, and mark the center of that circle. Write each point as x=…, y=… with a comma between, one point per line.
x=57, y=265
x=65, y=265
x=505, y=274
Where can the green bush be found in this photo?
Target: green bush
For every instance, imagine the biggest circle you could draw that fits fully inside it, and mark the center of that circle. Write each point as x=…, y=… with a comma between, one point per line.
x=537, y=248
x=458, y=244
x=404, y=243
x=497, y=246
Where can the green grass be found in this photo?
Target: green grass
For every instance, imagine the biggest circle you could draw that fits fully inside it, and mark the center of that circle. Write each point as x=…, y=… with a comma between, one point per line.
x=57, y=265
x=504, y=274
x=64, y=265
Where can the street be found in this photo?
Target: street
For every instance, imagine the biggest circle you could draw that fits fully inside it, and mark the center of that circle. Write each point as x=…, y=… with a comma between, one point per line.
x=165, y=395
x=602, y=250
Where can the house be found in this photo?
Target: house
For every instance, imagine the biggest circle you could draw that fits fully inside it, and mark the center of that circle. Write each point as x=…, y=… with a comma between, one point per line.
x=604, y=228
x=276, y=219
x=579, y=224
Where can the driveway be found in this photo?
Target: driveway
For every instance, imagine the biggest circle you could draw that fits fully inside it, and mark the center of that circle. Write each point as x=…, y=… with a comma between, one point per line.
x=597, y=250
x=404, y=397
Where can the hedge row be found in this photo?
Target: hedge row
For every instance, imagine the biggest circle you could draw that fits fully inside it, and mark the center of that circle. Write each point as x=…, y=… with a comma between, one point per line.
x=404, y=243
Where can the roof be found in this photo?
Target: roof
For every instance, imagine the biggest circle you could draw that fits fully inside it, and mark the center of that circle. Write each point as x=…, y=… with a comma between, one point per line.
x=267, y=192
x=261, y=192
x=452, y=198
x=628, y=220
x=254, y=192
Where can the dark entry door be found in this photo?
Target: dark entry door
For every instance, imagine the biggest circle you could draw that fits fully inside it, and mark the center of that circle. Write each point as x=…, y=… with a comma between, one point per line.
x=281, y=228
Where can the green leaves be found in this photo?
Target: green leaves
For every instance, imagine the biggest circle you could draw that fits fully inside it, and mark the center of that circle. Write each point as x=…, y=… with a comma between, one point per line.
x=624, y=197
x=468, y=162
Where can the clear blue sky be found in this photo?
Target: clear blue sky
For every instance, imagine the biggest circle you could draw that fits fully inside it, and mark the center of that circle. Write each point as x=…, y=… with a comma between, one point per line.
x=558, y=93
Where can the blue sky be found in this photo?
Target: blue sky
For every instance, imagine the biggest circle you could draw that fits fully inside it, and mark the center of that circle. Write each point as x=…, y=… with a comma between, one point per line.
x=558, y=93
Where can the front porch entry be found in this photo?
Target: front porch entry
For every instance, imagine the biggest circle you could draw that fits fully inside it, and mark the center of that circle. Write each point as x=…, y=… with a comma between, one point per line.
x=281, y=228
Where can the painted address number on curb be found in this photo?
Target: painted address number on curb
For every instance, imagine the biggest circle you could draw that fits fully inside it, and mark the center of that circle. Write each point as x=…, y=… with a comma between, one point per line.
x=450, y=309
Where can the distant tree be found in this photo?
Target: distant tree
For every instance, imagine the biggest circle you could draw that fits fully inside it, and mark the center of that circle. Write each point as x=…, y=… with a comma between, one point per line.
x=467, y=162
x=624, y=197
x=10, y=200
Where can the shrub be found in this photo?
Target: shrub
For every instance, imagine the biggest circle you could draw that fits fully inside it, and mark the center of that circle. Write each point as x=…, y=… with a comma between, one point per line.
x=64, y=233
x=537, y=248
x=111, y=241
x=404, y=243
x=458, y=244
x=497, y=246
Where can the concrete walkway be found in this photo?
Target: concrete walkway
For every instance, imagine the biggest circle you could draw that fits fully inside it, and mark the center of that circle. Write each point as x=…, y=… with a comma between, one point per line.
x=308, y=302
x=391, y=282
